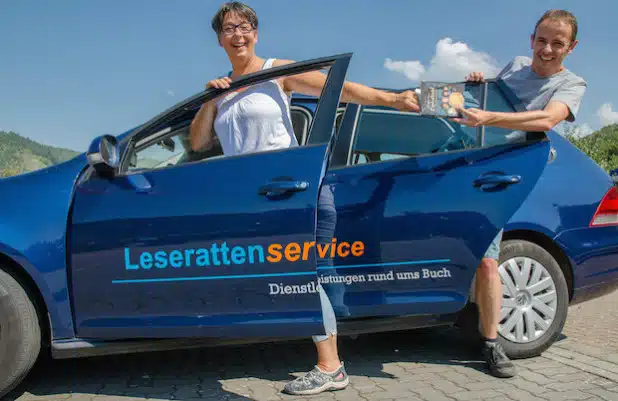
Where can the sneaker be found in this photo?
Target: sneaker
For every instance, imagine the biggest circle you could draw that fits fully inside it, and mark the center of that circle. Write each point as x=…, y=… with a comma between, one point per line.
x=317, y=381
x=499, y=364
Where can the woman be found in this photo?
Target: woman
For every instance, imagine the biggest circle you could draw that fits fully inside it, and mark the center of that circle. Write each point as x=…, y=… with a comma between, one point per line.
x=257, y=119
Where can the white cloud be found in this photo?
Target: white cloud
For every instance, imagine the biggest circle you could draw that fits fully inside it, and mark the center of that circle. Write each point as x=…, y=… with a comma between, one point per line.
x=413, y=70
x=607, y=115
x=170, y=92
x=453, y=61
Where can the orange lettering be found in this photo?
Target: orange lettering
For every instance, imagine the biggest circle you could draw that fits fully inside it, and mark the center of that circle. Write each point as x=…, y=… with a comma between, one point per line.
x=307, y=246
x=341, y=252
x=357, y=248
x=322, y=249
x=274, y=249
x=333, y=248
x=292, y=252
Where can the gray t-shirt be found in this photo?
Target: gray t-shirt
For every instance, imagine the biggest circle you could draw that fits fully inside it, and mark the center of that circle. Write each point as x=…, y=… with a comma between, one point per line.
x=536, y=92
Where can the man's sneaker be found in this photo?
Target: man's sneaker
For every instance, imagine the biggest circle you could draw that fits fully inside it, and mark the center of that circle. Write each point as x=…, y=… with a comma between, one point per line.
x=317, y=381
x=499, y=364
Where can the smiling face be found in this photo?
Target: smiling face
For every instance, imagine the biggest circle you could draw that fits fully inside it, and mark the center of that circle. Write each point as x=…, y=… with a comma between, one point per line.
x=238, y=36
x=551, y=43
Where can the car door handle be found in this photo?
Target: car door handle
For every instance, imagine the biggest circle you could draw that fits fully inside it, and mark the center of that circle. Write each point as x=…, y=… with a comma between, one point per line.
x=140, y=183
x=493, y=180
x=281, y=187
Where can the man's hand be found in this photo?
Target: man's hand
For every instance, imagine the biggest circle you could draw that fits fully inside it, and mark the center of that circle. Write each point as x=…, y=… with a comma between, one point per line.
x=475, y=77
x=473, y=117
x=406, y=101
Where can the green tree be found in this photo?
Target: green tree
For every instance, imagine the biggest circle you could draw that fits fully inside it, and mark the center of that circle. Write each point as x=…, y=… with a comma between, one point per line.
x=601, y=146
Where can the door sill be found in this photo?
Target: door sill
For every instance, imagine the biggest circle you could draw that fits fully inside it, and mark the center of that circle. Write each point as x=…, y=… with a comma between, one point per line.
x=83, y=348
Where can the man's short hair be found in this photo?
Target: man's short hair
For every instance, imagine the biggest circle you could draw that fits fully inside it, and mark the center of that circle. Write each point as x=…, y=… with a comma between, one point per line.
x=238, y=8
x=560, y=15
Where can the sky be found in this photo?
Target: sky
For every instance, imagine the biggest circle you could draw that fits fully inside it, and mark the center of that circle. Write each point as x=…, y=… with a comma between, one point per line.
x=71, y=70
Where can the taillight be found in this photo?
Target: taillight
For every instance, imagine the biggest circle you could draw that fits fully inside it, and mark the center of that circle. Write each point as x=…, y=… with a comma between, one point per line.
x=607, y=212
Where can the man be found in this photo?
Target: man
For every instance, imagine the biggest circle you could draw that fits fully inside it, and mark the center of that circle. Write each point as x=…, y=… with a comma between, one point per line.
x=551, y=94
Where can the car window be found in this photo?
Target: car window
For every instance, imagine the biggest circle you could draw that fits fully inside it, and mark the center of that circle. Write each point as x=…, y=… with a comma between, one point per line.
x=301, y=120
x=169, y=150
x=384, y=135
x=175, y=148
x=497, y=101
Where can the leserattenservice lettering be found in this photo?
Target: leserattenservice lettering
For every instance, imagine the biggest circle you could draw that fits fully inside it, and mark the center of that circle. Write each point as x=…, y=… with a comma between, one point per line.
x=223, y=255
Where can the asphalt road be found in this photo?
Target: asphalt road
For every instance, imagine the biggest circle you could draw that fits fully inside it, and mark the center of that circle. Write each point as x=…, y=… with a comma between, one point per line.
x=416, y=365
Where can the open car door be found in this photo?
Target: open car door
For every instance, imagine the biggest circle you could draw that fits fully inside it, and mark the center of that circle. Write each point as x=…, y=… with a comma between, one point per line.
x=423, y=198
x=208, y=248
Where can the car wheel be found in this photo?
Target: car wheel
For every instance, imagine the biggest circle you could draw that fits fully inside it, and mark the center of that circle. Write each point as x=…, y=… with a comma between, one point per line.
x=535, y=299
x=20, y=333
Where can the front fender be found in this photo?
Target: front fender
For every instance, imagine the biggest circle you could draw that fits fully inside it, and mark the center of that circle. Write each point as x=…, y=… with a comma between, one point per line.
x=33, y=226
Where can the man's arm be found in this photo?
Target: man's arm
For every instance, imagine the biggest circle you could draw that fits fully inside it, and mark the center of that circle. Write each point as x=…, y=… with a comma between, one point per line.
x=537, y=120
x=563, y=105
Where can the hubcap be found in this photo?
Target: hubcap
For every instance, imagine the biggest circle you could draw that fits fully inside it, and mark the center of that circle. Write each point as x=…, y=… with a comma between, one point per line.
x=529, y=300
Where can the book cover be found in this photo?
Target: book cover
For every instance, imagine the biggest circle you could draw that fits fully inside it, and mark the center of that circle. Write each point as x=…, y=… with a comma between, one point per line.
x=441, y=98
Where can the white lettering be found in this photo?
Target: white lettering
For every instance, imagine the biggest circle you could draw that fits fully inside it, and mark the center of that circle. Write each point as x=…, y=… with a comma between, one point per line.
x=442, y=273
x=408, y=275
x=274, y=288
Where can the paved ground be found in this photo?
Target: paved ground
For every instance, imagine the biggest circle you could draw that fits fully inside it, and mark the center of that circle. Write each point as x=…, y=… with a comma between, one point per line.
x=419, y=365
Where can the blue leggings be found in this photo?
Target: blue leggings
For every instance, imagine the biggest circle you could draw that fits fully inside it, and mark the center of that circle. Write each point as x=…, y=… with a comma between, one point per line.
x=325, y=231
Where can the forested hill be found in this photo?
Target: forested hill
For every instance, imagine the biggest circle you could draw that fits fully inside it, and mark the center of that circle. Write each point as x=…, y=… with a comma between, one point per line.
x=19, y=154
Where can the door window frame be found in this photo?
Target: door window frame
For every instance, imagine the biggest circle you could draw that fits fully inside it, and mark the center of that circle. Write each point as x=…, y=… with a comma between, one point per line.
x=162, y=124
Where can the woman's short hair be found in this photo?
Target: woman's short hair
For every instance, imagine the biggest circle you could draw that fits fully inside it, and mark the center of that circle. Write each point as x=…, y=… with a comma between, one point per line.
x=238, y=8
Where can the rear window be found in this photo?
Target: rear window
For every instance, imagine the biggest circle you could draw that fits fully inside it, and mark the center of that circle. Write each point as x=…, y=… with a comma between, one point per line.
x=496, y=101
x=384, y=134
x=391, y=133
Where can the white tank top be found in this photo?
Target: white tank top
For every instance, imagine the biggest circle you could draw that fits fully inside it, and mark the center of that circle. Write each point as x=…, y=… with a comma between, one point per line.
x=256, y=119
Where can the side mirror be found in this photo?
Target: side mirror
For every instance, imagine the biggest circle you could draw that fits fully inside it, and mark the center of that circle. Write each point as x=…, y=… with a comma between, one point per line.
x=103, y=155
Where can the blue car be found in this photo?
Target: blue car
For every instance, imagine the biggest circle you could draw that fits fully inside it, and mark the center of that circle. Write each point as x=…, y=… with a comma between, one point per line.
x=143, y=244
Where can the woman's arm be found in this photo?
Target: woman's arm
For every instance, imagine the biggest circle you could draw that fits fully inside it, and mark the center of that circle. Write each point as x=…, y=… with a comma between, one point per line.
x=201, y=132
x=311, y=83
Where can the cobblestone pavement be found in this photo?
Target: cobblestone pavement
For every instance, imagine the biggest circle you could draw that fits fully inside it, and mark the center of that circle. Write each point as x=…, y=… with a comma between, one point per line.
x=595, y=323
x=416, y=365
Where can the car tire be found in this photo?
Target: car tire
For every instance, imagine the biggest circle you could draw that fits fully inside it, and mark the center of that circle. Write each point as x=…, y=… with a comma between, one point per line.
x=20, y=333
x=512, y=249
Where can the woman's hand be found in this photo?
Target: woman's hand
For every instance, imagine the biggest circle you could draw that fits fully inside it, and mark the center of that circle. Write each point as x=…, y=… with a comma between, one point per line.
x=219, y=83
x=406, y=101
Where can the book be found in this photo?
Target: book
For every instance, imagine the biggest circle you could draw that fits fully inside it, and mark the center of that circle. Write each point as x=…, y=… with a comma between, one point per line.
x=441, y=98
